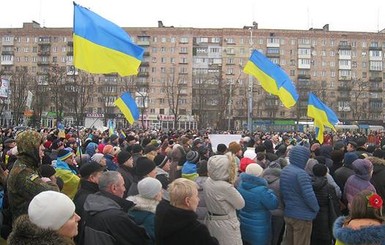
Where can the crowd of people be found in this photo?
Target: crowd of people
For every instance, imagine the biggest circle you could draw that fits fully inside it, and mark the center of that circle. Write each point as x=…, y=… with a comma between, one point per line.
x=153, y=187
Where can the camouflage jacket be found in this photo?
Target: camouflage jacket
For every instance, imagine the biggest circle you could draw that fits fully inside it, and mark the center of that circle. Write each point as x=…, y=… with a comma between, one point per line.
x=24, y=181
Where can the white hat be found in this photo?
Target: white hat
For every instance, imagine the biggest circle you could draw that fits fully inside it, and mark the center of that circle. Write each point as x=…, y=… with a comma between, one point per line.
x=50, y=210
x=254, y=169
x=97, y=157
x=250, y=153
x=149, y=187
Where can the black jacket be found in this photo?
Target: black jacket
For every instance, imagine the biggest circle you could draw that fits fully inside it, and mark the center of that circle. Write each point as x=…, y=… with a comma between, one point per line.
x=178, y=226
x=85, y=189
x=107, y=221
x=128, y=176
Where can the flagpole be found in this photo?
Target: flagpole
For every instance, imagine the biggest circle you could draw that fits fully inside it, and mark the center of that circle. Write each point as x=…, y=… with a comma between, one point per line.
x=250, y=90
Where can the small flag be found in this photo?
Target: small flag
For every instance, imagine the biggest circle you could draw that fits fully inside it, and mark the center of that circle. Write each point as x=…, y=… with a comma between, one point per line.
x=322, y=115
x=102, y=47
x=272, y=78
x=128, y=107
x=111, y=127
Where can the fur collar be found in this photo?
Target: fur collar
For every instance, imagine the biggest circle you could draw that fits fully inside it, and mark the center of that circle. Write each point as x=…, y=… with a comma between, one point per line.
x=365, y=235
x=143, y=204
x=25, y=232
x=376, y=160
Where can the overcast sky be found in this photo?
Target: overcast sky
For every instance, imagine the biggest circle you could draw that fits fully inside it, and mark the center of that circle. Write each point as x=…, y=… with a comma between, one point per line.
x=341, y=15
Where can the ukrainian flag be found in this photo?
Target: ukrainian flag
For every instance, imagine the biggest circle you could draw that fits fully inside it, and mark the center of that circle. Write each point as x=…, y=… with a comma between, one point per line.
x=272, y=78
x=128, y=107
x=322, y=115
x=101, y=46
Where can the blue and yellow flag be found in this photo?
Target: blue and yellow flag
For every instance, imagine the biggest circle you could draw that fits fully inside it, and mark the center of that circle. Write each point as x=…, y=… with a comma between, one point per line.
x=128, y=107
x=272, y=78
x=102, y=47
x=322, y=115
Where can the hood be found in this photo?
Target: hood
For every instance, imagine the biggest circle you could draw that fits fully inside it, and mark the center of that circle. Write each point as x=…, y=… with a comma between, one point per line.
x=271, y=174
x=365, y=235
x=25, y=232
x=349, y=158
x=326, y=151
x=102, y=201
x=28, y=143
x=319, y=182
x=143, y=204
x=200, y=180
x=249, y=181
x=362, y=168
x=298, y=156
x=221, y=167
x=309, y=166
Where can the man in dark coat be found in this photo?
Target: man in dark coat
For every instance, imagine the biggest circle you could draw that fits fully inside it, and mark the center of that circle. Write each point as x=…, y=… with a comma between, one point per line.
x=106, y=216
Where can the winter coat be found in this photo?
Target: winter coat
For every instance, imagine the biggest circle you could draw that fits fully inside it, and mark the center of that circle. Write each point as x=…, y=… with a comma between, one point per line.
x=255, y=216
x=163, y=177
x=24, y=181
x=175, y=226
x=107, y=221
x=202, y=207
x=296, y=188
x=378, y=177
x=143, y=214
x=272, y=176
x=86, y=188
x=321, y=224
x=110, y=162
x=178, y=157
x=367, y=235
x=128, y=176
x=342, y=174
x=25, y=232
x=222, y=201
x=359, y=181
x=70, y=179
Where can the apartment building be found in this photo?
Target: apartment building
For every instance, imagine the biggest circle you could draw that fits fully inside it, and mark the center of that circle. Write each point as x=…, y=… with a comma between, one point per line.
x=192, y=77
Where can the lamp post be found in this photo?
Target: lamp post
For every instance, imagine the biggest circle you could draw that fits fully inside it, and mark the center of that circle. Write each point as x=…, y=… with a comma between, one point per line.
x=250, y=90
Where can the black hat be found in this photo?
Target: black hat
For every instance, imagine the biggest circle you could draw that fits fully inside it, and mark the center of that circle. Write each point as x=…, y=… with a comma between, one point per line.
x=130, y=138
x=56, y=144
x=221, y=148
x=149, y=148
x=136, y=148
x=9, y=140
x=319, y=170
x=160, y=160
x=113, y=137
x=353, y=143
x=192, y=156
x=202, y=168
x=89, y=168
x=47, y=170
x=123, y=156
x=144, y=166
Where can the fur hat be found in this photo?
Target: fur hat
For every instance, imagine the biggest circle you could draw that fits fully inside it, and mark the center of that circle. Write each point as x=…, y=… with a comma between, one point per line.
x=192, y=156
x=144, y=166
x=254, y=169
x=47, y=170
x=149, y=187
x=123, y=156
x=50, y=210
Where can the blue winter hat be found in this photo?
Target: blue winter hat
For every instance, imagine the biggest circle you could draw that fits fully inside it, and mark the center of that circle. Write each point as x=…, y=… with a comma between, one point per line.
x=299, y=155
x=349, y=158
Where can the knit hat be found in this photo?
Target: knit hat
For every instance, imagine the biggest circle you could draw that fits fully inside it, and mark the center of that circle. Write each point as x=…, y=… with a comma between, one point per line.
x=50, y=210
x=89, y=168
x=299, y=155
x=149, y=148
x=123, y=156
x=56, y=144
x=136, y=148
x=149, y=187
x=144, y=166
x=108, y=149
x=63, y=154
x=97, y=157
x=234, y=147
x=320, y=170
x=349, y=158
x=221, y=148
x=192, y=156
x=254, y=169
x=47, y=170
x=160, y=160
x=101, y=147
x=249, y=153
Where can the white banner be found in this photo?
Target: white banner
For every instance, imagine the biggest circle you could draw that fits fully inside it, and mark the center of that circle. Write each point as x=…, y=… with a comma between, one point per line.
x=28, y=103
x=226, y=139
x=4, y=89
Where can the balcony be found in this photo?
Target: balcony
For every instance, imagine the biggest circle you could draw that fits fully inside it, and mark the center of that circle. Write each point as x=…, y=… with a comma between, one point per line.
x=375, y=79
x=42, y=72
x=344, y=88
x=145, y=63
x=142, y=84
x=44, y=53
x=375, y=48
x=44, y=41
x=143, y=42
x=344, y=78
x=375, y=109
x=41, y=63
x=143, y=74
x=70, y=43
x=375, y=89
x=7, y=52
x=344, y=97
x=146, y=54
x=273, y=55
x=303, y=76
x=70, y=53
x=375, y=100
x=344, y=47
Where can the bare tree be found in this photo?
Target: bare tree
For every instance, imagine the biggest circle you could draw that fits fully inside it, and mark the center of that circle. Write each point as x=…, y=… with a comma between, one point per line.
x=174, y=86
x=19, y=88
x=56, y=79
x=359, y=105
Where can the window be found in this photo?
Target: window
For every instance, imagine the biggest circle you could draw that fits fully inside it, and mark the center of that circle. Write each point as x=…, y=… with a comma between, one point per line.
x=214, y=50
x=304, y=51
x=375, y=65
x=172, y=39
x=183, y=50
x=163, y=39
x=230, y=40
x=375, y=53
x=202, y=40
x=215, y=40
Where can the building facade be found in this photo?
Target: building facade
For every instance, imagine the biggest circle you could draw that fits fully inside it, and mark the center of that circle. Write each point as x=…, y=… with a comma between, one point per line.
x=192, y=77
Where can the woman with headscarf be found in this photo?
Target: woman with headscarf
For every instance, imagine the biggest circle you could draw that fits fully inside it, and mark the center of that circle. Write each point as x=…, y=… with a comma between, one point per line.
x=24, y=181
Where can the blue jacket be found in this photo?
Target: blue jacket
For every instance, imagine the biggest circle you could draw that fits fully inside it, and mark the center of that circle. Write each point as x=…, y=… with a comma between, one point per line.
x=255, y=217
x=296, y=187
x=145, y=219
x=110, y=163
